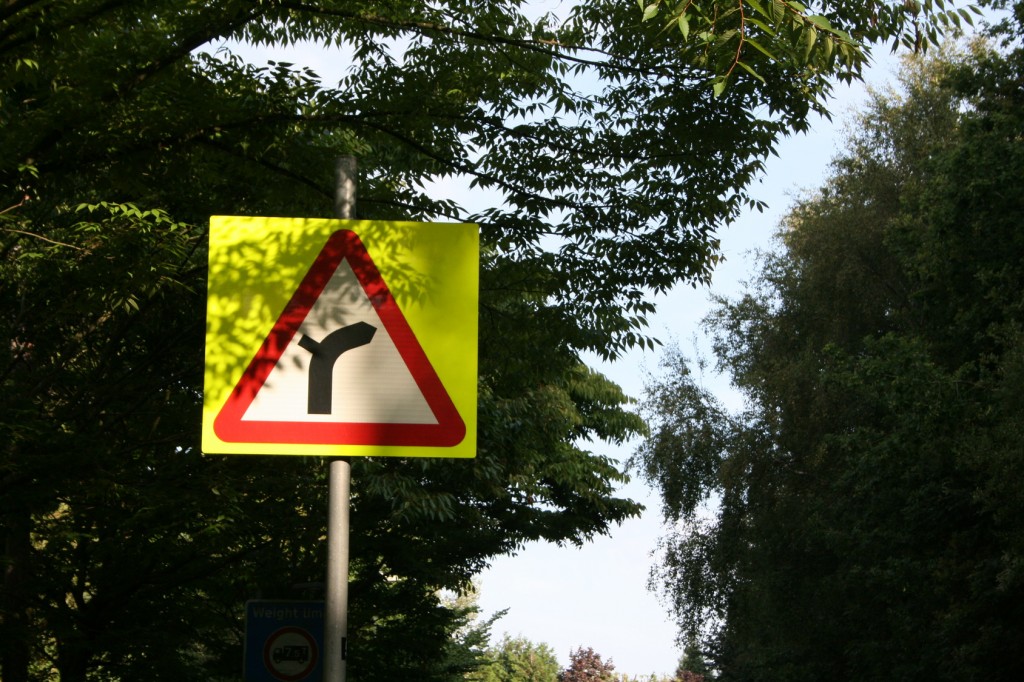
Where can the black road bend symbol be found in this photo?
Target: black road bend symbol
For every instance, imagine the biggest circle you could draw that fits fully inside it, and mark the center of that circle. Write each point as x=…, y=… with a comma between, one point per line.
x=325, y=354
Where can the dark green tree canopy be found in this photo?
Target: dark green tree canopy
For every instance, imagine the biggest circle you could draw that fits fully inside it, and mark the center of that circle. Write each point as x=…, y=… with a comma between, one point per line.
x=860, y=503
x=608, y=188
x=124, y=125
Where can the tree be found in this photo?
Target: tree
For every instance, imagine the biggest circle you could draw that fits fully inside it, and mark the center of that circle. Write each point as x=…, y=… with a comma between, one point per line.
x=811, y=44
x=858, y=514
x=467, y=650
x=585, y=665
x=125, y=125
x=516, y=659
x=693, y=666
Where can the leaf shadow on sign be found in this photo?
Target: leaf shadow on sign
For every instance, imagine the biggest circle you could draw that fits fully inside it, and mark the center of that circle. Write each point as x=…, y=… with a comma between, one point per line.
x=258, y=273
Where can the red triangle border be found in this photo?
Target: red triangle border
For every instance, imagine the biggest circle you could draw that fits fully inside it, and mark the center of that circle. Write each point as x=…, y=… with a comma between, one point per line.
x=343, y=245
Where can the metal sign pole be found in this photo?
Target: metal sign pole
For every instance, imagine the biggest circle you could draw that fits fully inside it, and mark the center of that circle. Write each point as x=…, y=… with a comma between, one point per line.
x=340, y=479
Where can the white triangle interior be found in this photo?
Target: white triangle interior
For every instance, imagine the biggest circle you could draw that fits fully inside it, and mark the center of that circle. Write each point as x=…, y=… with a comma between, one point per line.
x=371, y=383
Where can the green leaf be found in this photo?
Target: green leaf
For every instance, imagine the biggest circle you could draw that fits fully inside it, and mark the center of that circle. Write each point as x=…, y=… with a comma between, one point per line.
x=651, y=11
x=778, y=10
x=808, y=37
x=829, y=47
x=761, y=48
x=820, y=21
x=758, y=8
x=746, y=67
x=763, y=26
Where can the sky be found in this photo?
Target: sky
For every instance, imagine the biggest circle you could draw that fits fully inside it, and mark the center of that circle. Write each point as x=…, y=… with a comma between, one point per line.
x=597, y=596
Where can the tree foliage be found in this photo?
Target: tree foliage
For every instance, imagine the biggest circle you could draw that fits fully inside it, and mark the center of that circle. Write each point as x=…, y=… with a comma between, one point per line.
x=693, y=666
x=517, y=659
x=861, y=507
x=586, y=665
x=124, y=125
x=810, y=43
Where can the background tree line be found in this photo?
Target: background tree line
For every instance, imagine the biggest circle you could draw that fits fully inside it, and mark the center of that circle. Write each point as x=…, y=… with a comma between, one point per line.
x=518, y=659
x=860, y=518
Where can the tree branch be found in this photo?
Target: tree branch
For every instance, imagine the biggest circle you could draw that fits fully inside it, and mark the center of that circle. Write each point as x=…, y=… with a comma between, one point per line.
x=551, y=48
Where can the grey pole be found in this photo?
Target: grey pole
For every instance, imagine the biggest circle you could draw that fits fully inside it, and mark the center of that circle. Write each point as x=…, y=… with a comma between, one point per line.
x=340, y=480
x=345, y=192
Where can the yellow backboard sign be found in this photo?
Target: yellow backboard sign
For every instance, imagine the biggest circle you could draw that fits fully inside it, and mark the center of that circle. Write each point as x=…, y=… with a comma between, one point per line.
x=341, y=338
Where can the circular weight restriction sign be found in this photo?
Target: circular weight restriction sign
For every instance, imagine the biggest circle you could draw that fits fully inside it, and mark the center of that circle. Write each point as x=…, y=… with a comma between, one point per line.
x=290, y=654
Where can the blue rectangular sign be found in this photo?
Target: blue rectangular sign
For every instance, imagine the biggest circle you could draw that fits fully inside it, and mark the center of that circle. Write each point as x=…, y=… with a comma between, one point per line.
x=284, y=641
